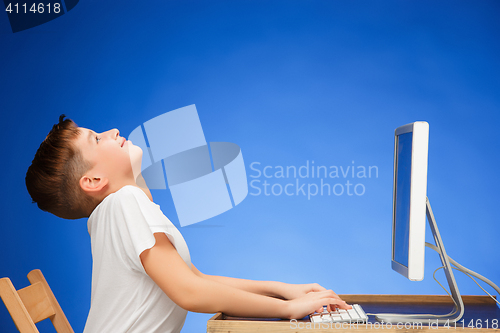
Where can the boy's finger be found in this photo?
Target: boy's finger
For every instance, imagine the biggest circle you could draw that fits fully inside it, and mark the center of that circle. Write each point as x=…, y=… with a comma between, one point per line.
x=334, y=302
x=343, y=305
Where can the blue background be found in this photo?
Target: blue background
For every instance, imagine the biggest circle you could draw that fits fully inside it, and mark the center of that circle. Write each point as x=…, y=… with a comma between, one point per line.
x=289, y=82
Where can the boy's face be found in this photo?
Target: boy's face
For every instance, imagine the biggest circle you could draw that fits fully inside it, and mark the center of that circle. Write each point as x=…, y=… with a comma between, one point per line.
x=110, y=155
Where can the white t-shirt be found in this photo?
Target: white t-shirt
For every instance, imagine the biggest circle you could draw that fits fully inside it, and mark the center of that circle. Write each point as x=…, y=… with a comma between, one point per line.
x=124, y=297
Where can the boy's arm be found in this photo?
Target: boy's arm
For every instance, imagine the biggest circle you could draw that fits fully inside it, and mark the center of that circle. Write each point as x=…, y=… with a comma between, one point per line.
x=195, y=293
x=268, y=288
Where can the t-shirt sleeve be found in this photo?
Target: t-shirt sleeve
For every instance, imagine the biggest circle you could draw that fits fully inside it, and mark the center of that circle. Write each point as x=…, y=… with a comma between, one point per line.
x=137, y=219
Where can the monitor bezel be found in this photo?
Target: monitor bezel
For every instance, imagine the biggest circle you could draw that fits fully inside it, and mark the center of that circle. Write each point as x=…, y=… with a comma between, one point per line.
x=418, y=195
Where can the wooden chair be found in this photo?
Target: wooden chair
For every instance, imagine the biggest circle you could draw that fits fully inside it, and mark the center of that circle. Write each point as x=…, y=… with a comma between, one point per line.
x=33, y=304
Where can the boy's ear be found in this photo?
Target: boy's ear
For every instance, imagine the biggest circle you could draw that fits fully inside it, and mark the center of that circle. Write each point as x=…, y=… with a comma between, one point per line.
x=93, y=184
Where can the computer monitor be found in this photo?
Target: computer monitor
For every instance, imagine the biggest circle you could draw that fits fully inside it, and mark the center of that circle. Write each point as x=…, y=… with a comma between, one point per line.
x=409, y=199
x=410, y=209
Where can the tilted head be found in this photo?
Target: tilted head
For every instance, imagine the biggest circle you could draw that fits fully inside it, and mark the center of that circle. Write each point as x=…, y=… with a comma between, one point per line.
x=53, y=177
x=75, y=168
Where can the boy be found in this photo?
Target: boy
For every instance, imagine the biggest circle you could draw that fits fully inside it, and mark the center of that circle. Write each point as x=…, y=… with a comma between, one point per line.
x=142, y=277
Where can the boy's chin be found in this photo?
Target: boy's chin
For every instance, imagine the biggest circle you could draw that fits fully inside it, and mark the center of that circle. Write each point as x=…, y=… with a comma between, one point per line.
x=135, y=154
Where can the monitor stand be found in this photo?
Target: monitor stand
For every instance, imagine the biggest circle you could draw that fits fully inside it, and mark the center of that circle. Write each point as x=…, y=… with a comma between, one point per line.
x=453, y=316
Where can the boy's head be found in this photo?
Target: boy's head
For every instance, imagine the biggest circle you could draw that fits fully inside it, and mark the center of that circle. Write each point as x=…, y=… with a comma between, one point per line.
x=53, y=176
x=75, y=168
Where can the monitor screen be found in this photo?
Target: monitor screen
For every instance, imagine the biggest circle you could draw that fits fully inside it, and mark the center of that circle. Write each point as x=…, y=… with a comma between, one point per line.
x=409, y=197
x=403, y=182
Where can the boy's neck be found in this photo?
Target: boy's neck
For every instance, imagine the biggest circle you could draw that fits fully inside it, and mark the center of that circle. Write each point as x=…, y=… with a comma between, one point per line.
x=109, y=189
x=143, y=188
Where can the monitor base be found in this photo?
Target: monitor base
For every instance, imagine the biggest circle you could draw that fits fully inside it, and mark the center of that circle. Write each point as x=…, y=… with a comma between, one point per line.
x=458, y=311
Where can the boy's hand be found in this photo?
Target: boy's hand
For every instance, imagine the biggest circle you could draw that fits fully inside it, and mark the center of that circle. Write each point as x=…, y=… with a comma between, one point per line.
x=293, y=291
x=300, y=307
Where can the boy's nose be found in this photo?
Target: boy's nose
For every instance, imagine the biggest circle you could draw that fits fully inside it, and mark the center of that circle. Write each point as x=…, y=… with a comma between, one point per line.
x=114, y=133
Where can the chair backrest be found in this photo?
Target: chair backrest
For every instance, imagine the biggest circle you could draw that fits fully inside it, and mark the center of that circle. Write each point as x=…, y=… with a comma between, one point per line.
x=32, y=304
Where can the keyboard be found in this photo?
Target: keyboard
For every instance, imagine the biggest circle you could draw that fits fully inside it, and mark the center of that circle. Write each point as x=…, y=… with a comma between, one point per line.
x=354, y=315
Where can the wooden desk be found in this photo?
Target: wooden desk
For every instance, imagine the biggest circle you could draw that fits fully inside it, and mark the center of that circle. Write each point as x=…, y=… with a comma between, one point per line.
x=479, y=311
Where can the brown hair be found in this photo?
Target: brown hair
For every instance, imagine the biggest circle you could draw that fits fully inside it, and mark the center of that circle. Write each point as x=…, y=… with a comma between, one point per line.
x=53, y=178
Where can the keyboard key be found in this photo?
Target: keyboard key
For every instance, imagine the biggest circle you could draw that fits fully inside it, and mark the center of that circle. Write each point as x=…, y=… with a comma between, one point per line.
x=345, y=316
x=336, y=317
x=316, y=319
x=356, y=315
x=353, y=314
x=326, y=318
x=360, y=311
